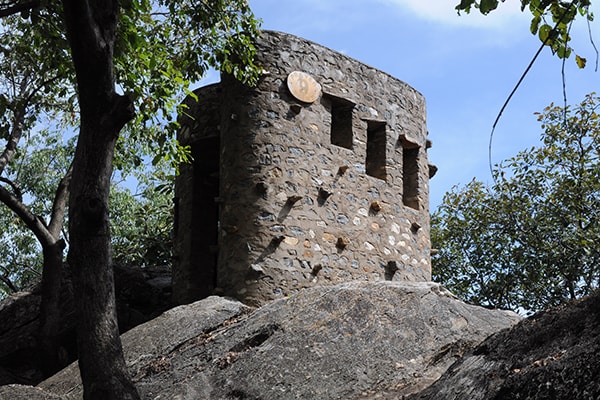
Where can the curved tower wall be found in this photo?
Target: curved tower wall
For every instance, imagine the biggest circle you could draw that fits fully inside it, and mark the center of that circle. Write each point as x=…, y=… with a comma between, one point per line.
x=310, y=192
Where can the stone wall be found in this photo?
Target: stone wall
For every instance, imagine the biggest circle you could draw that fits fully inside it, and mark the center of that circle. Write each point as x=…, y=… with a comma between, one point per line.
x=309, y=192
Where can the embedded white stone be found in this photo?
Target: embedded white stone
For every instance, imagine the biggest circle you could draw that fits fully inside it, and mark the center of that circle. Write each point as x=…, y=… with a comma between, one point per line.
x=292, y=241
x=282, y=196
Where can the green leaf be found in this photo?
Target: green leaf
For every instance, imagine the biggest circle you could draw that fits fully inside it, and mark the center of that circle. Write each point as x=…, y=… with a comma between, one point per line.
x=465, y=5
x=580, y=61
x=485, y=6
x=563, y=51
x=535, y=24
x=544, y=33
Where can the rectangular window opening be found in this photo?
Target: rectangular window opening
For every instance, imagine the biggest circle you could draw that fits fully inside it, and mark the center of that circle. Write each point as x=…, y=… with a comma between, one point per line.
x=376, y=142
x=410, y=174
x=341, y=122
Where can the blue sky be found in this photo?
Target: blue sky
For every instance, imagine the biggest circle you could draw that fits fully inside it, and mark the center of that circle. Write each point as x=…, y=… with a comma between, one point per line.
x=465, y=66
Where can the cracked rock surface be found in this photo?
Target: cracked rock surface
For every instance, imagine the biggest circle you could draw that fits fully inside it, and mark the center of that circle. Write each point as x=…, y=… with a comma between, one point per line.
x=551, y=355
x=340, y=342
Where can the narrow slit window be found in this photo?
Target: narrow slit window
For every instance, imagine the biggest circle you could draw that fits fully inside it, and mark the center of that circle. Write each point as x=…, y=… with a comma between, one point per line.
x=376, y=140
x=341, y=122
x=410, y=176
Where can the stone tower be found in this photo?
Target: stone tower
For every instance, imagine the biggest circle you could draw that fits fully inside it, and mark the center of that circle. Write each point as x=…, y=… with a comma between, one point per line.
x=316, y=176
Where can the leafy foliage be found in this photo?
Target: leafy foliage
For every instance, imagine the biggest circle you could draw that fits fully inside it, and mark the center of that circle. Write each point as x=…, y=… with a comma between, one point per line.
x=530, y=240
x=142, y=223
x=551, y=20
x=19, y=254
x=162, y=48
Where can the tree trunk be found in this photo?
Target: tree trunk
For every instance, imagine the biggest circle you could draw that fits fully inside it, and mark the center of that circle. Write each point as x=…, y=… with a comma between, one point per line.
x=101, y=361
x=52, y=274
x=91, y=27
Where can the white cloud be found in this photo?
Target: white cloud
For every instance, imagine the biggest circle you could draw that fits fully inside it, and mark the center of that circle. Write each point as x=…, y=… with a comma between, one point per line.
x=443, y=11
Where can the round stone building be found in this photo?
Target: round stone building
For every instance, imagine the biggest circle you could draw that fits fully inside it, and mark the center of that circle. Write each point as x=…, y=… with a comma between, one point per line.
x=316, y=176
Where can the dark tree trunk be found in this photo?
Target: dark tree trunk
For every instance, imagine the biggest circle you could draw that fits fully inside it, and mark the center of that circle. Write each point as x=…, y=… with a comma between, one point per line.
x=52, y=276
x=91, y=26
x=101, y=361
x=50, y=317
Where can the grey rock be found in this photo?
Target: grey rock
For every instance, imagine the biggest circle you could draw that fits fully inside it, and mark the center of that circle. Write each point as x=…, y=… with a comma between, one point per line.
x=20, y=324
x=23, y=392
x=141, y=294
x=340, y=342
x=147, y=345
x=552, y=355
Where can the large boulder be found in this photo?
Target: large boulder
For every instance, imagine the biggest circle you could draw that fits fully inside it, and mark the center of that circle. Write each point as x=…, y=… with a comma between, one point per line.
x=142, y=294
x=150, y=346
x=552, y=355
x=341, y=342
x=19, y=313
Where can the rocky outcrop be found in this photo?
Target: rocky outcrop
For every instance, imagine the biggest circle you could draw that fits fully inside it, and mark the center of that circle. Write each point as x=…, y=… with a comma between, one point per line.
x=552, y=355
x=347, y=341
x=142, y=294
x=150, y=347
x=19, y=316
x=23, y=392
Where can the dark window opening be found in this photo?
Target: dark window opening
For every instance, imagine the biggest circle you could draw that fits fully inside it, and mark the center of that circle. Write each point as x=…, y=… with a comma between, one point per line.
x=341, y=122
x=410, y=173
x=390, y=270
x=205, y=214
x=376, y=140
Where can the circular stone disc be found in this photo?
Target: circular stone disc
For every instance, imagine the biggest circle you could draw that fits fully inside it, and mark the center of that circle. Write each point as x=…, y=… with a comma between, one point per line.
x=303, y=86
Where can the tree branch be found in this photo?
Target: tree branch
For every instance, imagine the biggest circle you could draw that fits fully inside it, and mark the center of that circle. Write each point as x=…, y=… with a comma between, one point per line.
x=91, y=28
x=60, y=203
x=5, y=278
x=18, y=122
x=17, y=191
x=33, y=222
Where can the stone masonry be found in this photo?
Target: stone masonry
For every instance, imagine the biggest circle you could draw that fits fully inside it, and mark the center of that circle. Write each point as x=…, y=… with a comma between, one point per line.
x=316, y=176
